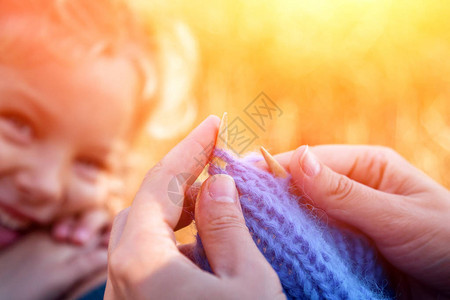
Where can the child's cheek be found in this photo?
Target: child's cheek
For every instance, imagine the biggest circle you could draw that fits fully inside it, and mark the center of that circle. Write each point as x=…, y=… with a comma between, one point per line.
x=11, y=157
x=83, y=195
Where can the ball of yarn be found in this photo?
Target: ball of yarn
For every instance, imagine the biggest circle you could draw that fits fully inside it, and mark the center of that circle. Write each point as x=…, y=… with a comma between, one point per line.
x=314, y=259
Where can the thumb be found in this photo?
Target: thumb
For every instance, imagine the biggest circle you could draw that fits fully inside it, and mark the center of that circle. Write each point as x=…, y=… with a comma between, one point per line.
x=341, y=197
x=221, y=226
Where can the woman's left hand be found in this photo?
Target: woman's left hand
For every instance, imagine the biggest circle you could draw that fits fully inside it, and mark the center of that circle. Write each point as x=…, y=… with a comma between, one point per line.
x=144, y=261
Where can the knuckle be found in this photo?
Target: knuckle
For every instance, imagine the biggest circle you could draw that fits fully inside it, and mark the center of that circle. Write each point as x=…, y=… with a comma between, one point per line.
x=161, y=167
x=379, y=160
x=342, y=188
x=226, y=223
x=153, y=172
x=377, y=163
x=384, y=154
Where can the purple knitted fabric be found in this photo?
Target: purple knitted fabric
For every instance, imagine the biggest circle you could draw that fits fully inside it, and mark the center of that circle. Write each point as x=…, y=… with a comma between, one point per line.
x=313, y=259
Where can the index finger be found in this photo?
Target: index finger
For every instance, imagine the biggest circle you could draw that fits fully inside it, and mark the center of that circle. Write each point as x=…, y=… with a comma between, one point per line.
x=368, y=165
x=153, y=215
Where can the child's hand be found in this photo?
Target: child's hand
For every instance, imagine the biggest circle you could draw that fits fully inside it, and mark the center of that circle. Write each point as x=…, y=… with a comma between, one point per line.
x=37, y=267
x=82, y=229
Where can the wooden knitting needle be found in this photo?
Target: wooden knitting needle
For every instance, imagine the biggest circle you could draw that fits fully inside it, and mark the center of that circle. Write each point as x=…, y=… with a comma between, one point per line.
x=275, y=168
x=222, y=140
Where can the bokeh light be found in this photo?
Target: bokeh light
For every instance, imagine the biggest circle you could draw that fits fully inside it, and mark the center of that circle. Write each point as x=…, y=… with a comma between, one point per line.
x=357, y=72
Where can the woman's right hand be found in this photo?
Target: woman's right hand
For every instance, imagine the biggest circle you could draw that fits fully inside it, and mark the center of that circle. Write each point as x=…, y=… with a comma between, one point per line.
x=38, y=267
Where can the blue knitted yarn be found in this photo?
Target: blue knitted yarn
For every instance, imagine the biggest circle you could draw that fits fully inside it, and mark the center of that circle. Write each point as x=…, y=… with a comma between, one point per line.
x=313, y=259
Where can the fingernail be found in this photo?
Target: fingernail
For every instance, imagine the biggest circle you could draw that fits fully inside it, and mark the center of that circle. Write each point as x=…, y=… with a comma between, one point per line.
x=81, y=235
x=222, y=188
x=308, y=162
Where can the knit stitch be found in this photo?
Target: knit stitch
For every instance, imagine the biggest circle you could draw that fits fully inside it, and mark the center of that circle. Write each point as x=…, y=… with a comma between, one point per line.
x=313, y=258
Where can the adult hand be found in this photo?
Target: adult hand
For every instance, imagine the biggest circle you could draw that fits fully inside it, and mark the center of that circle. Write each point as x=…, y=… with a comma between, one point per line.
x=405, y=212
x=144, y=261
x=38, y=267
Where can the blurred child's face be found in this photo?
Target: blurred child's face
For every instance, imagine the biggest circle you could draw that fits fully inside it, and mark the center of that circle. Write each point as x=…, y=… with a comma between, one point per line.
x=63, y=131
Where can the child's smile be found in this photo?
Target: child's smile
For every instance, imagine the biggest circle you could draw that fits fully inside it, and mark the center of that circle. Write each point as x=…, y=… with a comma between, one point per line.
x=62, y=131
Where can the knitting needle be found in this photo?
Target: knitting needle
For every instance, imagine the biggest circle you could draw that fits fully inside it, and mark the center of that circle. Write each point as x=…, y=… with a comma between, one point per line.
x=222, y=140
x=274, y=166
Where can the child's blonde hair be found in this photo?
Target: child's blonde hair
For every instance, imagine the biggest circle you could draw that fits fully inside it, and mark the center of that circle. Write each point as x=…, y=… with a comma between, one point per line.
x=33, y=31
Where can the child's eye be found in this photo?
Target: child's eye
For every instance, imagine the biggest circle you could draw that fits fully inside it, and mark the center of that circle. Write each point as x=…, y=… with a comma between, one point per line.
x=17, y=128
